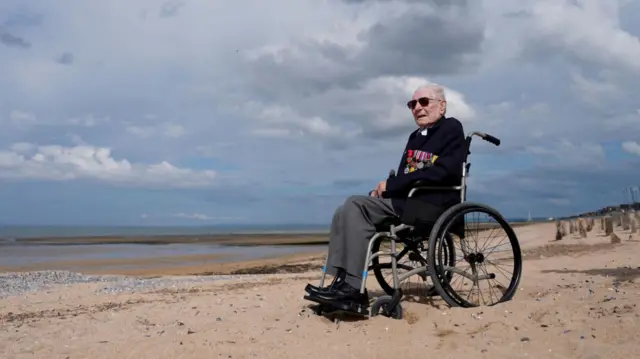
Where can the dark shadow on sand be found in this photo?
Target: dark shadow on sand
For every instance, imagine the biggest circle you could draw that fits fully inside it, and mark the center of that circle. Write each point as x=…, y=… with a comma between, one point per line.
x=621, y=274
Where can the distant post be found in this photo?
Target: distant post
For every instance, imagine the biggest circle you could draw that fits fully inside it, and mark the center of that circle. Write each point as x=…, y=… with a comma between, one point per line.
x=625, y=221
x=617, y=217
x=571, y=227
x=581, y=228
x=559, y=230
x=608, y=223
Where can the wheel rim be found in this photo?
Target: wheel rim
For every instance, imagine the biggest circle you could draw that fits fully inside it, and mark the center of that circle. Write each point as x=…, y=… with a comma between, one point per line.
x=489, y=258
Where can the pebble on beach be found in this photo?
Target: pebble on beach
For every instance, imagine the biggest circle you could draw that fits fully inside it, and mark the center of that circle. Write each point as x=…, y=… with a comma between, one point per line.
x=19, y=283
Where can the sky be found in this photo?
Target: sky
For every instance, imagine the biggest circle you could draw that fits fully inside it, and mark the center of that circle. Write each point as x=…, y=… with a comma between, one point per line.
x=143, y=112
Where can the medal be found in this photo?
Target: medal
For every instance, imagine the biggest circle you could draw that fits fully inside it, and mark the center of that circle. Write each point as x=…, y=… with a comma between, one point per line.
x=420, y=165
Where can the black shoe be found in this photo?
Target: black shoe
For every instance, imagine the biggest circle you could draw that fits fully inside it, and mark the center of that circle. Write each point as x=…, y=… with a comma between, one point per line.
x=342, y=297
x=344, y=292
x=312, y=289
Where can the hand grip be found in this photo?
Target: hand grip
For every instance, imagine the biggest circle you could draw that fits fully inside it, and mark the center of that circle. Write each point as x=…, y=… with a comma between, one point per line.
x=487, y=137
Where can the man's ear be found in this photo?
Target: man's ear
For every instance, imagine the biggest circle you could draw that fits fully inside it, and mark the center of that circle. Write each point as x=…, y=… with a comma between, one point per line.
x=443, y=107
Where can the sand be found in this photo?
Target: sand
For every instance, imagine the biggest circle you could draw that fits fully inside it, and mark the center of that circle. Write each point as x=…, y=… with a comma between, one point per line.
x=577, y=299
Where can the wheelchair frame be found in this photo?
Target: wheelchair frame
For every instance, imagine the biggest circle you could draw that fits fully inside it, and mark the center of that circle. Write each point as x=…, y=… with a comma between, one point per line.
x=394, y=229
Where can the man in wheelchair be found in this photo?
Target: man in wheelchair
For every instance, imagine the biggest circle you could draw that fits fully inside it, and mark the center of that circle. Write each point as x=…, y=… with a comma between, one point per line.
x=434, y=155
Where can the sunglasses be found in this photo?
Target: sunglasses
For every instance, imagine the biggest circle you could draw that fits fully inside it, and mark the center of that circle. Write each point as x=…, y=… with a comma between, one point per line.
x=423, y=101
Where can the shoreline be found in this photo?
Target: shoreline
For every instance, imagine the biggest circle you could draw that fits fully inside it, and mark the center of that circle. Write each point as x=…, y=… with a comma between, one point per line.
x=252, y=239
x=226, y=239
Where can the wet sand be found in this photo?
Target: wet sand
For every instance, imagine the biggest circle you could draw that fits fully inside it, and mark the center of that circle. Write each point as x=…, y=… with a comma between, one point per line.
x=179, y=255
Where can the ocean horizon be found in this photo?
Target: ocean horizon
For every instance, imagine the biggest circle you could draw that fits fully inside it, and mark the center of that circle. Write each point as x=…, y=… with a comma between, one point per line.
x=11, y=232
x=8, y=232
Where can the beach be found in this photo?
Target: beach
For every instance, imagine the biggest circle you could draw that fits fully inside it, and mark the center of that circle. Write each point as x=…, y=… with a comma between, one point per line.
x=577, y=299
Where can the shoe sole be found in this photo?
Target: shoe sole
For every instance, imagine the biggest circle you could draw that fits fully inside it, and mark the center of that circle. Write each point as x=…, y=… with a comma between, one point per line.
x=347, y=306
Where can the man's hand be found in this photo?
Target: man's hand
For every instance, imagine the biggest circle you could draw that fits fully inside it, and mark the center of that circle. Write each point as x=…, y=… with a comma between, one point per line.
x=379, y=190
x=382, y=186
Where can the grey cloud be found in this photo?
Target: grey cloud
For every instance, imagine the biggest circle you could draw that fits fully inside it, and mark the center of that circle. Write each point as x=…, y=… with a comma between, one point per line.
x=422, y=44
x=333, y=81
x=11, y=40
x=171, y=8
x=414, y=44
x=23, y=19
x=66, y=58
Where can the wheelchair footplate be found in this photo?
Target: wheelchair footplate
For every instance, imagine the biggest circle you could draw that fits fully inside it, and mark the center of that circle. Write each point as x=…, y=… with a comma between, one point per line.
x=329, y=306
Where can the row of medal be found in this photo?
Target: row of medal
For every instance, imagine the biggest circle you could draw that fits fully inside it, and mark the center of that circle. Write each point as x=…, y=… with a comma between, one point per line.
x=418, y=159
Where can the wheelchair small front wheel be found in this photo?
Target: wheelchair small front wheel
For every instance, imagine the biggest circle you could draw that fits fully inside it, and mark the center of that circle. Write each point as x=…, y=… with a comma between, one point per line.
x=381, y=306
x=483, y=274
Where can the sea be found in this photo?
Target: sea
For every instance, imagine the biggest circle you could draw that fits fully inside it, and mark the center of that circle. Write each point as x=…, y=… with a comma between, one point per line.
x=12, y=232
x=17, y=254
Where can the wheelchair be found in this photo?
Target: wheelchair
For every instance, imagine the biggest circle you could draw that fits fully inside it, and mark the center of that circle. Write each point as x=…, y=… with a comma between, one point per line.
x=440, y=264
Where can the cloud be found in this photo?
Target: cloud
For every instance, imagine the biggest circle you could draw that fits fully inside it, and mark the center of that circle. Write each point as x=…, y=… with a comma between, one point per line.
x=632, y=147
x=296, y=105
x=66, y=58
x=568, y=25
x=10, y=40
x=25, y=161
x=167, y=129
x=170, y=8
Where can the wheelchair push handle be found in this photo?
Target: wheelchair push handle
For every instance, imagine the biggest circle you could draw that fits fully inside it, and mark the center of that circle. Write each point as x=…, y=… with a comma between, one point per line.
x=487, y=137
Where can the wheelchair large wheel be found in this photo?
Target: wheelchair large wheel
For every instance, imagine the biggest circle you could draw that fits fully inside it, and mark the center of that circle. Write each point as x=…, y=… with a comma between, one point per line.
x=481, y=283
x=411, y=255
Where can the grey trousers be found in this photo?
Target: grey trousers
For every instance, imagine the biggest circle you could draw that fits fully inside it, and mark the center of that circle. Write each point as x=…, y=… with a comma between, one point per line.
x=352, y=227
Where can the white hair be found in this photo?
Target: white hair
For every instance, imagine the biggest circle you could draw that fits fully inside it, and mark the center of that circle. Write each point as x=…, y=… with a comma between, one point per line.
x=436, y=89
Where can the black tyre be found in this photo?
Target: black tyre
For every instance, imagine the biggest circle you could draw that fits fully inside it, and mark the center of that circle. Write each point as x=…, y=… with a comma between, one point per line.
x=444, y=280
x=412, y=251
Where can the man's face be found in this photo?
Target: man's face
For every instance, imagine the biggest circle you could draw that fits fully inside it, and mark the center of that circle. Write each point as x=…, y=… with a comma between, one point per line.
x=427, y=109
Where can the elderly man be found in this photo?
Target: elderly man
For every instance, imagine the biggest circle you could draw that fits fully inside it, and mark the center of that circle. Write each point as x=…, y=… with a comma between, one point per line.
x=434, y=153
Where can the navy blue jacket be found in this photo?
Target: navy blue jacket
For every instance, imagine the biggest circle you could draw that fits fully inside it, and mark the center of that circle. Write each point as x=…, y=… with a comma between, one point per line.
x=436, y=159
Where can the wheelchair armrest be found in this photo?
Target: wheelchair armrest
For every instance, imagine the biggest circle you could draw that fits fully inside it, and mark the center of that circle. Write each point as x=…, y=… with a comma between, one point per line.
x=421, y=185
